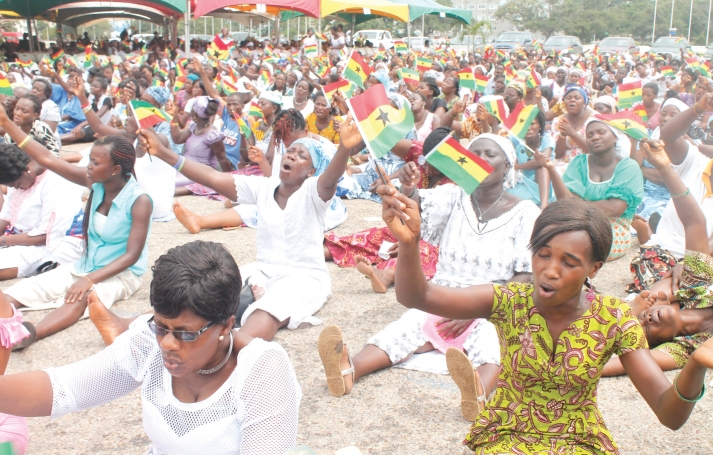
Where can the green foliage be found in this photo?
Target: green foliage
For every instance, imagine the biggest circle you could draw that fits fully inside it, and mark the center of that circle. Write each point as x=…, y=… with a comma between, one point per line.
x=478, y=28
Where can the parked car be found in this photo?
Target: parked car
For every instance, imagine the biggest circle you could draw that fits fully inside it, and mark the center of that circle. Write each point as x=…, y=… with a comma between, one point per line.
x=670, y=45
x=614, y=44
x=415, y=43
x=239, y=37
x=509, y=40
x=562, y=43
x=466, y=43
x=709, y=52
x=376, y=37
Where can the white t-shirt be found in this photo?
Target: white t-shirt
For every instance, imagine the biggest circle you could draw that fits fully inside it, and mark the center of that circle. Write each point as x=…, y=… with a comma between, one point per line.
x=254, y=412
x=669, y=233
x=158, y=179
x=309, y=41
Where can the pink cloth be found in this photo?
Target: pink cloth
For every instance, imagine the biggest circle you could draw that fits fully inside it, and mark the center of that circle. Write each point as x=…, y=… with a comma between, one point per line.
x=14, y=430
x=11, y=330
x=431, y=332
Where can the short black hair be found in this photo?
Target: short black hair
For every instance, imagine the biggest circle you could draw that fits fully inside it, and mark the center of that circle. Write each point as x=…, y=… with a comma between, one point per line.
x=432, y=85
x=13, y=162
x=46, y=83
x=652, y=86
x=434, y=138
x=569, y=215
x=199, y=276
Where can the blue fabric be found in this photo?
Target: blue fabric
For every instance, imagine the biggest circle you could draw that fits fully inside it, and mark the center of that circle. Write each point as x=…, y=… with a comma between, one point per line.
x=655, y=198
x=527, y=187
x=320, y=160
x=160, y=94
x=102, y=250
x=71, y=107
x=232, y=138
x=577, y=88
x=164, y=129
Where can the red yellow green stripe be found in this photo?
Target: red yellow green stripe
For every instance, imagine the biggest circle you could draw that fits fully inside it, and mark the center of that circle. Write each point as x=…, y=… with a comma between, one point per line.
x=627, y=122
x=148, y=115
x=520, y=119
x=357, y=70
x=457, y=163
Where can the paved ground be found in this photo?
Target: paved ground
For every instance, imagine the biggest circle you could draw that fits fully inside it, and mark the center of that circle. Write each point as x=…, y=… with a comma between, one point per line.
x=390, y=412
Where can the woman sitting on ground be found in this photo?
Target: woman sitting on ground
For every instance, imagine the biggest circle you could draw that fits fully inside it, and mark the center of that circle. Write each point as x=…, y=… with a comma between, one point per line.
x=559, y=335
x=482, y=238
x=672, y=333
x=116, y=230
x=202, y=383
x=49, y=114
x=604, y=178
x=568, y=130
x=649, y=92
x=323, y=121
x=26, y=115
x=301, y=99
x=361, y=250
x=422, y=119
x=69, y=106
x=38, y=211
x=204, y=143
x=290, y=261
x=100, y=103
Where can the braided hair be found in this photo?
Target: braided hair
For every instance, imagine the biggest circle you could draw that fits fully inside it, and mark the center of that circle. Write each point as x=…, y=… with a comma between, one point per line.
x=286, y=121
x=13, y=162
x=122, y=154
x=36, y=103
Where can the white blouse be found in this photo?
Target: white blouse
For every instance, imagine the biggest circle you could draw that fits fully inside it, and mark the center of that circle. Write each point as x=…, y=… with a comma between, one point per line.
x=255, y=412
x=47, y=207
x=471, y=253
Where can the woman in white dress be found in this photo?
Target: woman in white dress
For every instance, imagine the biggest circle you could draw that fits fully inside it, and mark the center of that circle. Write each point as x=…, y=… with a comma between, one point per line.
x=292, y=207
x=202, y=383
x=301, y=100
x=38, y=211
x=481, y=237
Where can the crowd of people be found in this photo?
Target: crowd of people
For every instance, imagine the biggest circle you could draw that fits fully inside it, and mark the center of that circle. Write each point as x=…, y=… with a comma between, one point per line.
x=498, y=280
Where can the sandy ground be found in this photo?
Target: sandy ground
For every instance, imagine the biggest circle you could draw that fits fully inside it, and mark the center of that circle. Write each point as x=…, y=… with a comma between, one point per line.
x=390, y=412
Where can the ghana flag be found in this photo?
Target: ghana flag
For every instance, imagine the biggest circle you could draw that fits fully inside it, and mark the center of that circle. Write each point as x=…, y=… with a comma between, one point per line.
x=346, y=87
x=23, y=63
x=5, y=88
x=627, y=122
x=628, y=94
x=457, y=163
x=311, y=51
x=467, y=79
x=218, y=49
x=381, y=125
x=481, y=82
x=148, y=115
x=409, y=76
x=705, y=69
x=180, y=82
x=400, y=46
x=423, y=63
x=255, y=110
x=495, y=105
x=641, y=112
x=533, y=79
x=520, y=119
x=57, y=55
x=357, y=70
x=243, y=125
x=668, y=71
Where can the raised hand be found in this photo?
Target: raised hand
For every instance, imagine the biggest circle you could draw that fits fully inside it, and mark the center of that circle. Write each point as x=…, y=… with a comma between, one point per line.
x=349, y=135
x=565, y=128
x=543, y=160
x=255, y=155
x=400, y=213
x=705, y=104
x=655, y=153
x=148, y=139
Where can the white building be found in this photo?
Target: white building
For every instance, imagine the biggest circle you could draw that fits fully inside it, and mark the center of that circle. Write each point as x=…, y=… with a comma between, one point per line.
x=484, y=10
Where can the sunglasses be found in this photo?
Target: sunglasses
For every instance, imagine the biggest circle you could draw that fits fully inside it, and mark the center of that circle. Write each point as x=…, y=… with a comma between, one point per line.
x=180, y=335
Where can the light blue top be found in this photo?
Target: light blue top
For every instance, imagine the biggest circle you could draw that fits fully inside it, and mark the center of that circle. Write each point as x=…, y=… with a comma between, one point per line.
x=524, y=155
x=102, y=250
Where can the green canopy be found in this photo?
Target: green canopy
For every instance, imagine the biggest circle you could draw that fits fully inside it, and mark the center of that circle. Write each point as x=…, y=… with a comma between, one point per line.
x=417, y=8
x=34, y=8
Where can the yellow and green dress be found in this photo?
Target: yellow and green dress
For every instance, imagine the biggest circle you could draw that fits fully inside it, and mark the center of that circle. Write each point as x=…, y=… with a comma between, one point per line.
x=546, y=402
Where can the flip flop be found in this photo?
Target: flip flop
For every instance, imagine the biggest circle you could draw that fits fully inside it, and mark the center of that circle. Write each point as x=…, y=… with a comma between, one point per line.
x=25, y=342
x=468, y=381
x=331, y=346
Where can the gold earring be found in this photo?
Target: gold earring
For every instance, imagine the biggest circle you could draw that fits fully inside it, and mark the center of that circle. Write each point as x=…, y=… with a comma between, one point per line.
x=221, y=338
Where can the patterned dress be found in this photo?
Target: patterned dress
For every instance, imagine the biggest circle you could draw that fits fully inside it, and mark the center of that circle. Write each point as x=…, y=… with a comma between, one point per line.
x=546, y=402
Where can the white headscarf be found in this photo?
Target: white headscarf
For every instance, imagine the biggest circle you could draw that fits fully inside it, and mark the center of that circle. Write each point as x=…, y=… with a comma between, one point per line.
x=623, y=143
x=676, y=103
x=509, y=151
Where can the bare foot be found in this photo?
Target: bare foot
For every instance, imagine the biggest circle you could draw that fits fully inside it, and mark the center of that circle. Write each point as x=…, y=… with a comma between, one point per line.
x=641, y=302
x=109, y=325
x=187, y=218
x=371, y=272
x=643, y=230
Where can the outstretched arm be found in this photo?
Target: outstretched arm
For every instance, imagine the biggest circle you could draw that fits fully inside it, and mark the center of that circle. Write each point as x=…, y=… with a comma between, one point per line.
x=350, y=138
x=673, y=131
x=221, y=182
x=93, y=118
x=42, y=156
x=401, y=215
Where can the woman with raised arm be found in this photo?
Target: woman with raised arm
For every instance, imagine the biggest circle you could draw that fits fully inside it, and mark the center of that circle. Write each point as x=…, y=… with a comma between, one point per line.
x=559, y=334
x=116, y=229
x=290, y=260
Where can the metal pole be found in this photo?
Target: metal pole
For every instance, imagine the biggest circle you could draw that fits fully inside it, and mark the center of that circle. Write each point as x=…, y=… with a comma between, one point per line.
x=212, y=25
x=690, y=18
x=187, y=27
x=250, y=33
x=653, y=30
x=708, y=30
x=423, y=29
x=139, y=27
x=670, y=25
x=298, y=26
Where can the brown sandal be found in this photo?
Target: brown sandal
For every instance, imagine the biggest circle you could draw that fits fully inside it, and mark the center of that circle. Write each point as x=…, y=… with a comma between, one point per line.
x=468, y=381
x=331, y=347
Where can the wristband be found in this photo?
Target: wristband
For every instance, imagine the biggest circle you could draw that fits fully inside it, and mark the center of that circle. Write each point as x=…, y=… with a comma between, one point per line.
x=87, y=109
x=682, y=398
x=84, y=106
x=179, y=163
x=90, y=281
x=24, y=142
x=684, y=194
x=181, y=166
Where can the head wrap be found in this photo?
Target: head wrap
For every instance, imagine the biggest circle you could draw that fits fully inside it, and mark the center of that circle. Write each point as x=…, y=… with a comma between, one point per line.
x=193, y=77
x=200, y=105
x=320, y=160
x=563, y=68
x=675, y=102
x=482, y=68
x=399, y=100
x=623, y=143
x=431, y=73
x=607, y=100
x=577, y=88
x=298, y=74
x=506, y=146
x=272, y=96
x=383, y=77
x=518, y=86
x=381, y=66
x=160, y=94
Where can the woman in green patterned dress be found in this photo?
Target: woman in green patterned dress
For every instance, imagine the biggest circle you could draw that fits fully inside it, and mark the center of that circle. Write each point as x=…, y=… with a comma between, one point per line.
x=556, y=336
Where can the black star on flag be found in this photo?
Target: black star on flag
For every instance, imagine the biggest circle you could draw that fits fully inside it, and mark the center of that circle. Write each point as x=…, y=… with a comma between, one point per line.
x=462, y=161
x=633, y=93
x=357, y=69
x=383, y=116
x=217, y=54
x=626, y=124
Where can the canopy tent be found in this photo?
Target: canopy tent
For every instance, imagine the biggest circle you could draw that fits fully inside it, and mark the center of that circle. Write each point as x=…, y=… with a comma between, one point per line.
x=244, y=16
x=80, y=13
x=382, y=8
x=417, y=8
x=34, y=8
x=308, y=7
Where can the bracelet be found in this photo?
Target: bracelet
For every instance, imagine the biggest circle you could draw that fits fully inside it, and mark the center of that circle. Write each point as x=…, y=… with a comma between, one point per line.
x=90, y=281
x=175, y=124
x=84, y=106
x=684, y=194
x=179, y=163
x=182, y=163
x=24, y=142
x=415, y=190
x=682, y=398
x=87, y=109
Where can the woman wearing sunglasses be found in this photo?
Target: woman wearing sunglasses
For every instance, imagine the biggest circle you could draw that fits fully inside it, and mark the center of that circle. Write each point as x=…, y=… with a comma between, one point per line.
x=203, y=385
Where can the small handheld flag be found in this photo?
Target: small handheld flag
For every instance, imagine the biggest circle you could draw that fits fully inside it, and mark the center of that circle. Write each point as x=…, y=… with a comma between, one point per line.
x=343, y=85
x=520, y=119
x=311, y=51
x=423, y=63
x=481, y=82
x=467, y=79
x=147, y=115
x=628, y=94
x=400, y=46
x=668, y=71
x=5, y=88
x=409, y=76
x=627, y=122
x=357, y=70
x=466, y=169
x=255, y=110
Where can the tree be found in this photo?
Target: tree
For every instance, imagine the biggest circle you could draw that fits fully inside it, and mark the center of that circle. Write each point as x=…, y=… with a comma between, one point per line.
x=535, y=15
x=479, y=28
